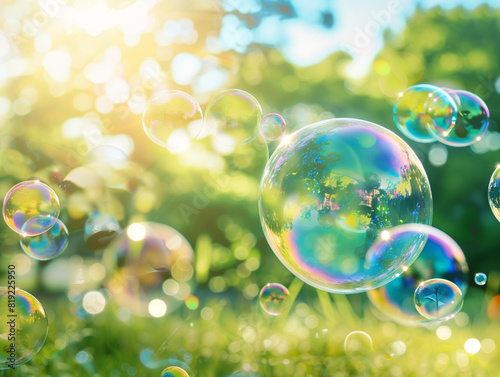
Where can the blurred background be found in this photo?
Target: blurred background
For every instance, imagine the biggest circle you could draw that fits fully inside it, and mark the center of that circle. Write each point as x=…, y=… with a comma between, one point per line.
x=75, y=76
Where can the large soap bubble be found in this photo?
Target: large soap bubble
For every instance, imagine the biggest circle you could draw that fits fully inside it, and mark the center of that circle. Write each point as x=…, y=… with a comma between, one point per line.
x=440, y=258
x=328, y=191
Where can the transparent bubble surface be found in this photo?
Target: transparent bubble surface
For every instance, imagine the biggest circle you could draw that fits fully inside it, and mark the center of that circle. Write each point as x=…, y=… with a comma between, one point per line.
x=438, y=299
x=31, y=327
x=174, y=372
x=100, y=229
x=30, y=208
x=172, y=119
x=141, y=259
x=48, y=245
x=441, y=257
x=327, y=192
x=272, y=127
x=414, y=114
x=480, y=278
x=233, y=117
x=358, y=343
x=471, y=123
x=494, y=193
x=274, y=298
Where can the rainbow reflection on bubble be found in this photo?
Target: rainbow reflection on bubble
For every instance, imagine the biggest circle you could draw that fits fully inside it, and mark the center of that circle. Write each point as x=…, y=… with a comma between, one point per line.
x=419, y=107
x=441, y=257
x=274, y=298
x=48, y=245
x=172, y=119
x=494, y=193
x=480, y=278
x=328, y=191
x=141, y=259
x=30, y=331
x=471, y=123
x=438, y=299
x=30, y=208
x=174, y=372
x=233, y=117
x=272, y=127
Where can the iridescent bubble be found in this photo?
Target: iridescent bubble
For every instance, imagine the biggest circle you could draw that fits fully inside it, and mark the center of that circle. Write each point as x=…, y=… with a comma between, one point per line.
x=414, y=115
x=494, y=193
x=100, y=229
x=141, y=259
x=441, y=258
x=30, y=329
x=30, y=208
x=172, y=119
x=272, y=127
x=471, y=123
x=438, y=299
x=174, y=372
x=274, y=298
x=327, y=192
x=480, y=278
x=358, y=342
x=48, y=245
x=233, y=117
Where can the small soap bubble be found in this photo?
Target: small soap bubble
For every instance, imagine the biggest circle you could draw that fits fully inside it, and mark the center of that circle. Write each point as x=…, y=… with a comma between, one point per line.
x=233, y=117
x=419, y=107
x=471, y=122
x=494, y=192
x=172, y=119
x=48, y=245
x=438, y=299
x=358, y=342
x=174, y=372
x=274, y=298
x=30, y=208
x=30, y=330
x=100, y=230
x=480, y=278
x=272, y=127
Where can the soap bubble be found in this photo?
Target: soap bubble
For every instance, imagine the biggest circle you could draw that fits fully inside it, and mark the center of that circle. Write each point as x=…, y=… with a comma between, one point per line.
x=327, y=192
x=139, y=261
x=30, y=208
x=48, y=245
x=274, y=298
x=174, y=372
x=419, y=107
x=100, y=229
x=470, y=125
x=272, y=127
x=30, y=330
x=441, y=257
x=494, y=192
x=172, y=119
x=480, y=278
x=358, y=342
x=233, y=117
x=438, y=299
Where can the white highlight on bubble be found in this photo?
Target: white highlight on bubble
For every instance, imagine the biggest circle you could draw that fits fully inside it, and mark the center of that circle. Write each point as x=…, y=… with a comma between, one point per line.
x=136, y=232
x=94, y=302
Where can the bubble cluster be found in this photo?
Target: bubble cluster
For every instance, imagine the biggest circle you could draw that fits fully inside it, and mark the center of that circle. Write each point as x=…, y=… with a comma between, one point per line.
x=30, y=330
x=274, y=298
x=140, y=260
x=30, y=208
x=233, y=117
x=471, y=122
x=480, y=278
x=494, y=193
x=413, y=113
x=438, y=299
x=174, y=372
x=272, y=127
x=441, y=258
x=172, y=119
x=48, y=245
x=100, y=229
x=327, y=192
